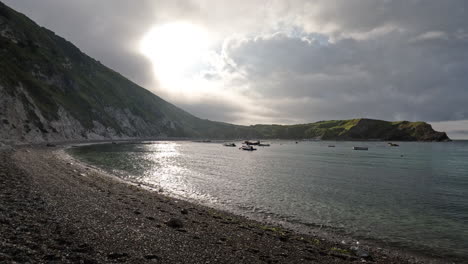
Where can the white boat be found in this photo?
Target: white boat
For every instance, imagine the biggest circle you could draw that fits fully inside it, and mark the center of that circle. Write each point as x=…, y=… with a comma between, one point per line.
x=255, y=143
x=360, y=148
x=248, y=148
x=229, y=144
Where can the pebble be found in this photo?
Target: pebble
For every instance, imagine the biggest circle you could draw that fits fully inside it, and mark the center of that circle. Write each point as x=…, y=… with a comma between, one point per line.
x=362, y=254
x=51, y=257
x=117, y=255
x=253, y=250
x=175, y=223
x=151, y=257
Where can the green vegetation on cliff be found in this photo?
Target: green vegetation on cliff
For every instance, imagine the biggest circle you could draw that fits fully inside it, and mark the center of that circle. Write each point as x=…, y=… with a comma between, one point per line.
x=50, y=89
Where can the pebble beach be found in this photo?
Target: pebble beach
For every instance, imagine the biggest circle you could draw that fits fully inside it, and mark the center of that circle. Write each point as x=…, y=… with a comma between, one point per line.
x=54, y=209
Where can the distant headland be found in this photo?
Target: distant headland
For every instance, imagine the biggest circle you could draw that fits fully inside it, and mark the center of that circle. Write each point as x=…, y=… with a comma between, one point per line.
x=355, y=129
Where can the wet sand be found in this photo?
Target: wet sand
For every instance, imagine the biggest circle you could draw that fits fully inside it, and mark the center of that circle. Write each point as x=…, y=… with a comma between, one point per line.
x=55, y=210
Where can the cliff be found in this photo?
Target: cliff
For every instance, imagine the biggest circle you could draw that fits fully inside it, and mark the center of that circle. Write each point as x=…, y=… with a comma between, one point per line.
x=50, y=90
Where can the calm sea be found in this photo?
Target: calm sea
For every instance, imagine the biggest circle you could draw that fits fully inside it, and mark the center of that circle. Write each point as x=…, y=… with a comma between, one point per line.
x=413, y=197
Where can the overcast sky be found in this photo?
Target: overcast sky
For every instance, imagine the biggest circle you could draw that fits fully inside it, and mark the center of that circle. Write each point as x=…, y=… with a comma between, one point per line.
x=282, y=62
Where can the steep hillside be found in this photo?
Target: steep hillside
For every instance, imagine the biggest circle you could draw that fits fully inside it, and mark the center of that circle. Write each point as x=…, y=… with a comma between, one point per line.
x=50, y=90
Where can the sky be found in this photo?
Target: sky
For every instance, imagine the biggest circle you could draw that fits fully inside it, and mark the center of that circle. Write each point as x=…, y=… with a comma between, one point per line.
x=282, y=62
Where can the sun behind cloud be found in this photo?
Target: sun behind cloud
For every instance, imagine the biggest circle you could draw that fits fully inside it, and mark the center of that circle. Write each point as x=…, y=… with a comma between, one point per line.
x=175, y=49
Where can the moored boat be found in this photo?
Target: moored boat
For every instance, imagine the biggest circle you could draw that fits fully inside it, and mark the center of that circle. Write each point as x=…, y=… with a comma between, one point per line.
x=255, y=143
x=360, y=148
x=229, y=144
x=248, y=148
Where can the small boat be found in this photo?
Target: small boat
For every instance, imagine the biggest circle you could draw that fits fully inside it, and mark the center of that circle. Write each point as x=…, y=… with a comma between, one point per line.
x=248, y=148
x=331, y=146
x=263, y=145
x=393, y=144
x=255, y=143
x=229, y=144
x=360, y=148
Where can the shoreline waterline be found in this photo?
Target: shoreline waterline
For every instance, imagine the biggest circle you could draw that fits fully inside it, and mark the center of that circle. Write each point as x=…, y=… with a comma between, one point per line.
x=329, y=233
x=70, y=212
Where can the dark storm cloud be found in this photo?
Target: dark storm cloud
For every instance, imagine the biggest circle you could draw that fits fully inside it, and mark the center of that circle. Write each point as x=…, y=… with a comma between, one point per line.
x=391, y=77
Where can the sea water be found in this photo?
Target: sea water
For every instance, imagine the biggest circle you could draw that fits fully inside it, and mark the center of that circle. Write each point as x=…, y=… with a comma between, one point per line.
x=414, y=197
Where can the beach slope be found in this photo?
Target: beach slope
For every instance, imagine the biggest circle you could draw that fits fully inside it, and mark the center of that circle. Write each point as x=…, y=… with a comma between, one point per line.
x=54, y=210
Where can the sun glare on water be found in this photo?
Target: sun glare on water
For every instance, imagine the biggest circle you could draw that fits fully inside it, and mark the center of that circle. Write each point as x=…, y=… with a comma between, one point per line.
x=175, y=49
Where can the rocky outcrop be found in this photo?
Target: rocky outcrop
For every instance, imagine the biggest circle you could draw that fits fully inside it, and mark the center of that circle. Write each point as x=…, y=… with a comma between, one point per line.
x=22, y=121
x=370, y=129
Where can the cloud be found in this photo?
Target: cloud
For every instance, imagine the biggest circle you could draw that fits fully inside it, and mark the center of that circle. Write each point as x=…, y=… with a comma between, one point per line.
x=386, y=78
x=462, y=132
x=432, y=35
x=289, y=61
